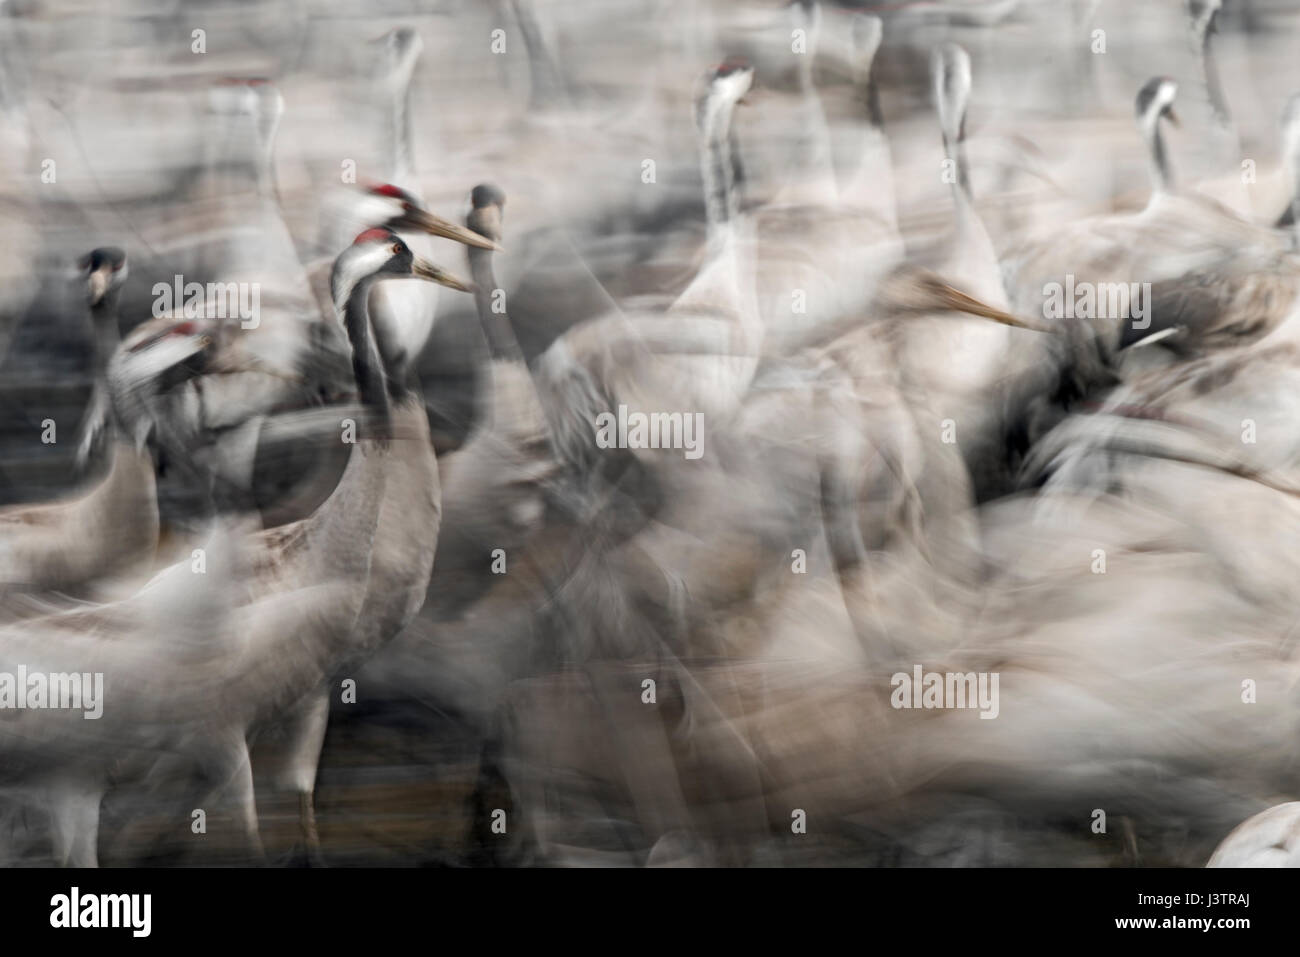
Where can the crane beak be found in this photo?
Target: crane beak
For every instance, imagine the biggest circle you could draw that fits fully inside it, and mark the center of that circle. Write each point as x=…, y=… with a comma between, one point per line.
x=437, y=226
x=958, y=301
x=97, y=284
x=423, y=269
x=1172, y=117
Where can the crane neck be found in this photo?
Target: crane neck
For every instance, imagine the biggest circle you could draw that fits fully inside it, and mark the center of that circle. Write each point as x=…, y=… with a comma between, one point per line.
x=871, y=187
x=398, y=137
x=954, y=148
x=1162, y=179
x=1210, y=75
x=238, y=160
x=107, y=336
x=812, y=175
x=494, y=320
x=974, y=261
x=544, y=75
x=351, y=301
x=718, y=172
x=869, y=91
x=951, y=79
x=267, y=124
x=101, y=413
x=244, y=140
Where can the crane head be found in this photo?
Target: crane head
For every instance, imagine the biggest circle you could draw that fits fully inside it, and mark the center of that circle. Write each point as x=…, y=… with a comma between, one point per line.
x=730, y=80
x=1156, y=100
x=1204, y=16
x=487, y=206
x=950, y=71
x=394, y=208
x=402, y=47
x=103, y=270
x=380, y=252
x=243, y=95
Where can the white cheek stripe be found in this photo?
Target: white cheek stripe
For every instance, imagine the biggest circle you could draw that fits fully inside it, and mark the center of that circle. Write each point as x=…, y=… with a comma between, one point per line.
x=372, y=210
x=358, y=263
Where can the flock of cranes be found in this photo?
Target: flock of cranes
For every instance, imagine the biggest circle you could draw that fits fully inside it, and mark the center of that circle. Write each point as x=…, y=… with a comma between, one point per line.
x=907, y=462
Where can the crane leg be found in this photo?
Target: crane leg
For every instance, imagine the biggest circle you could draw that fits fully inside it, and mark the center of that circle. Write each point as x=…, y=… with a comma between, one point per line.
x=74, y=826
x=228, y=765
x=305, y=735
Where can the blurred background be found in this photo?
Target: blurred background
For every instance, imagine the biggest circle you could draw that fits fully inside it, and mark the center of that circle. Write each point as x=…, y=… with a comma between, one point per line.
x=202, y=138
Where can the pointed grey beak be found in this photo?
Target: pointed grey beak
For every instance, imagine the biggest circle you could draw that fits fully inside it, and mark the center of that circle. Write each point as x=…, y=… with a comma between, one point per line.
x=97, y=284
x=419, y=219
x=957, y=301
x=423, y=269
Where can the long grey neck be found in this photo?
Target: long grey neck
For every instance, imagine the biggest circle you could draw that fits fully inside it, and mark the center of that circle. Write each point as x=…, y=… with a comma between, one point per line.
x=869, y=91
x=351, y=303
x=500, y=334
x=954, y=148
x=103, y=319
x=717, y=170
x=1210, y=76
x=547, y=83
x=107, y=337
x=805, y=62
x=397, y=131
x=1162, y=179
x=871, y=186
x=813, y=162
x=866, y=50
x=239, y=162
x=267, y=124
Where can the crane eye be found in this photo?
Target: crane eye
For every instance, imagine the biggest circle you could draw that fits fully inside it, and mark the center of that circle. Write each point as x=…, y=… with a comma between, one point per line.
x=398, y=249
